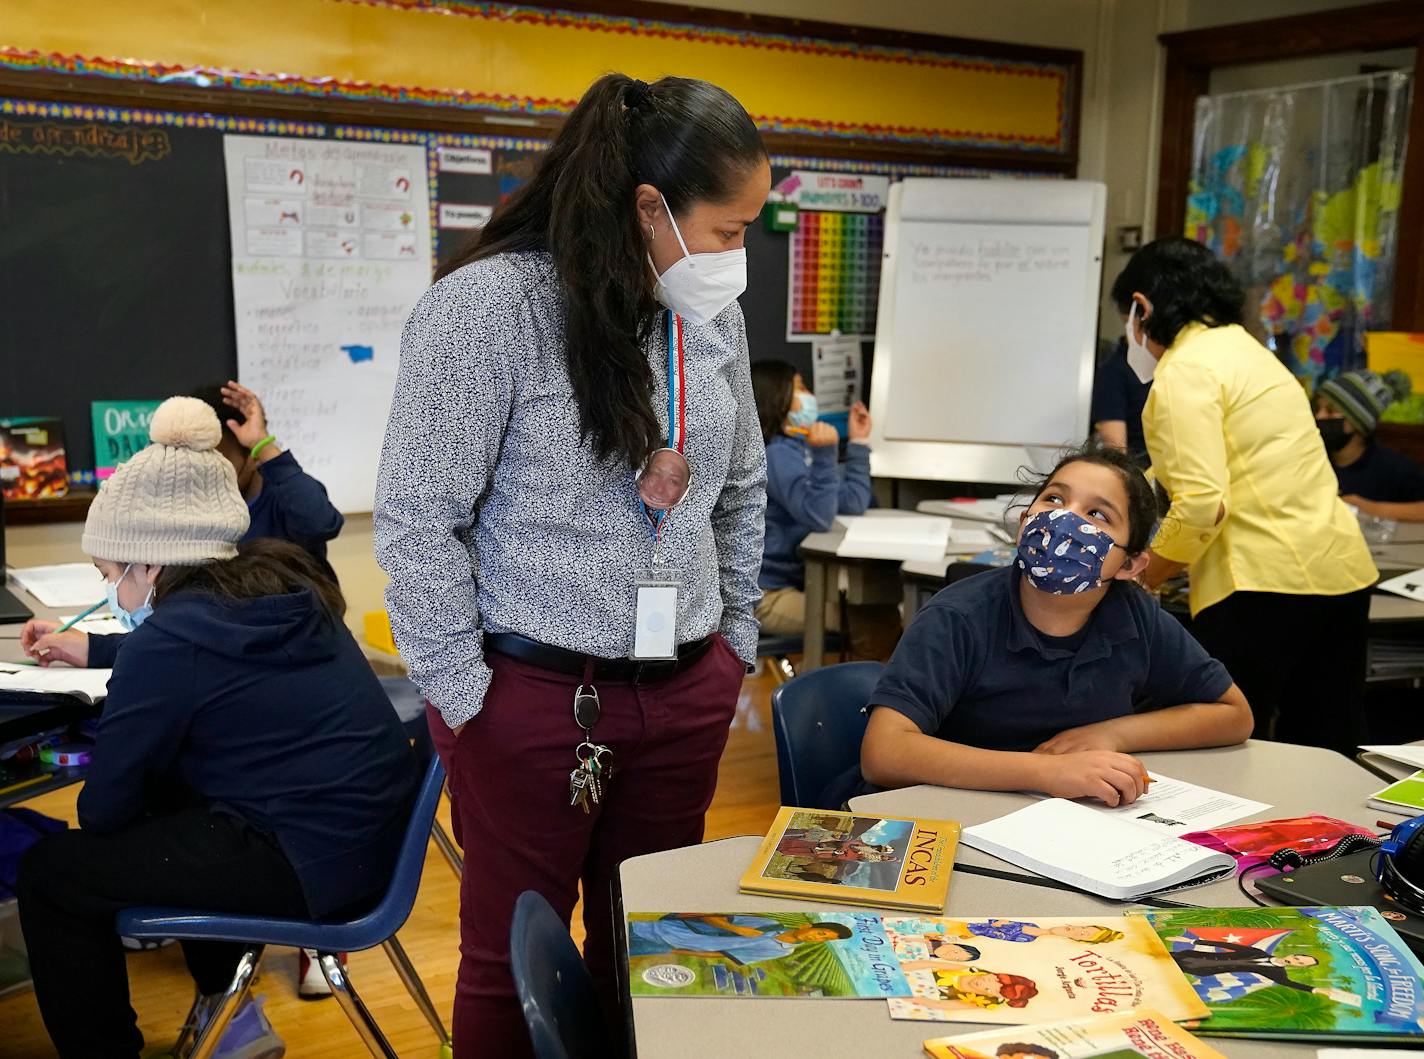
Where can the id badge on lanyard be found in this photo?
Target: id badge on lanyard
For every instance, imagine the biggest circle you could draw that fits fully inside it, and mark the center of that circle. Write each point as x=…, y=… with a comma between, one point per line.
x=662, y=485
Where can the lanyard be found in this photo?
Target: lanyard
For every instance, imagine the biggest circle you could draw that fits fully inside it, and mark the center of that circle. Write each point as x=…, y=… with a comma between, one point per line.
x=677, y=405
x=677, y=415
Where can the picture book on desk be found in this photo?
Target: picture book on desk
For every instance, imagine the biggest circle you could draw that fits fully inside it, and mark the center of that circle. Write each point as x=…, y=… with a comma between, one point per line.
x=1140, y=1034
x=1027, y=969
x=761, y=954
x=859, y=860
x=1296, y=973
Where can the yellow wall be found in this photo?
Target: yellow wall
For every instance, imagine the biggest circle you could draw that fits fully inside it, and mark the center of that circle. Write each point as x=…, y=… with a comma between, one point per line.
x=543, y=60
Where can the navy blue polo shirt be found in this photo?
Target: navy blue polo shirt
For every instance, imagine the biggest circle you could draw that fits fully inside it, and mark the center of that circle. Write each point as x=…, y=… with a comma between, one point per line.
x=972, y=669
x=1382, y=474
x=1119, y=395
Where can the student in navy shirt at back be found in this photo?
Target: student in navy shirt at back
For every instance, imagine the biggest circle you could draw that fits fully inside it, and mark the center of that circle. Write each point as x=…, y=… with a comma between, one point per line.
x=1377, y=480
x=1049, y=674
x=283, y=501
x=805, y=491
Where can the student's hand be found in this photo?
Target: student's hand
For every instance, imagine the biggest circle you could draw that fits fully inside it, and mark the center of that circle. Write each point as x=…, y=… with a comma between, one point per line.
x=1369, y=507
x=1100, y=736
x=39, y=641
x=1113, y=779
x=254, y=427
x=859, y=422
x=822, y=434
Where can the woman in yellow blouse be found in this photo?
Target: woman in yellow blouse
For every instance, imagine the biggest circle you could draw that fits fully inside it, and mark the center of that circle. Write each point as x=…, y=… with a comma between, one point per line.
x=1280, y=573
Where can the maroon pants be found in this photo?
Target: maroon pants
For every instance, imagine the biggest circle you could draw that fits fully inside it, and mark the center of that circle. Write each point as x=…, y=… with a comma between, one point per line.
x=509, y=791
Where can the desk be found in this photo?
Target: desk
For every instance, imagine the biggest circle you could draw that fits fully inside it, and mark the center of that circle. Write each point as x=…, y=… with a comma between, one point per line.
x=704, y=879
x=1293, y=780
x=49, y=778
x=818, y=552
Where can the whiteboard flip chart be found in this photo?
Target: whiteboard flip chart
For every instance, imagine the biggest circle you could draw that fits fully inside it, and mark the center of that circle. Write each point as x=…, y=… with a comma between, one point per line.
x=987, y=326
x=330, y=251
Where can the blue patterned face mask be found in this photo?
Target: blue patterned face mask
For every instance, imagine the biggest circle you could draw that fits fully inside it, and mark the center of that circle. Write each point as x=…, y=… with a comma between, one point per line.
x=1062, y=553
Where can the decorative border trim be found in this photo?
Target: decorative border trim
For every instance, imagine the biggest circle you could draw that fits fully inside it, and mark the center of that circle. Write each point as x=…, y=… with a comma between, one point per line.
x=27, y=108
x=361, y=91
x=629, y=25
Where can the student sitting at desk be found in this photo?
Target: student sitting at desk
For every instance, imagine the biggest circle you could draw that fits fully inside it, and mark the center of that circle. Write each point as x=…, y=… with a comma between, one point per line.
x=283, y=501
x=1375, y=479
x=805, y=491
x=247, y=759
x=1049, y=674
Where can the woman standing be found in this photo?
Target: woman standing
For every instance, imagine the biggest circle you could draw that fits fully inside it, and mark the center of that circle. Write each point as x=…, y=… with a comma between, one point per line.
x=581, y=636
x=1280, y=574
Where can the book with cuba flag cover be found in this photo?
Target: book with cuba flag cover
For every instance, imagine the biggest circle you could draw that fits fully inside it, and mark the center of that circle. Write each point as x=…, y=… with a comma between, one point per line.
x=821, y=855
x=1297, y=973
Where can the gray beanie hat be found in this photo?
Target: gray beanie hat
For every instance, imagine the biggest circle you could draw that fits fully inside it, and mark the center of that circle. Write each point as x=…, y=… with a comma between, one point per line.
x=1362, y=396
x=176, y=502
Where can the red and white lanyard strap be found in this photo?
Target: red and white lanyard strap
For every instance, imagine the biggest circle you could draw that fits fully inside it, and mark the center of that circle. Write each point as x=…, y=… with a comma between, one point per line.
x=677, y=402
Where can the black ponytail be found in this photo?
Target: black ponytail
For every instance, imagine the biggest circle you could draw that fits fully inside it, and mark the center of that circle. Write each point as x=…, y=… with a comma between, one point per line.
x=690, y=140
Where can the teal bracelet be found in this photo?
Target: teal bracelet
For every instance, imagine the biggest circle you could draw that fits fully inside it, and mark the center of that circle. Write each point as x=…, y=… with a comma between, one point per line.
x=262, y=445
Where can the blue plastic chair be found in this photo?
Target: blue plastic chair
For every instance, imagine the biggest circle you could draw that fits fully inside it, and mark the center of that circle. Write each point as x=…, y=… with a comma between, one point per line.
x=819, y=719
x=554, y=986
x=779, y=649
x=376, y=927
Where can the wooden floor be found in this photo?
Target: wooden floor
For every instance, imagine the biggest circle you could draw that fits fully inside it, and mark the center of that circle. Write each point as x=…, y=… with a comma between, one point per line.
x=745, y=804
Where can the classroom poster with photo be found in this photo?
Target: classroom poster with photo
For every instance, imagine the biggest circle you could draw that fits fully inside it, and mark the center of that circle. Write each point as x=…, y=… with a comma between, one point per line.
x=330, y=251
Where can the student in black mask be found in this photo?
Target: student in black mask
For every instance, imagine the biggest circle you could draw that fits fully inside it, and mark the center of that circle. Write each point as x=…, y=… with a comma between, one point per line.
x=1377, y=480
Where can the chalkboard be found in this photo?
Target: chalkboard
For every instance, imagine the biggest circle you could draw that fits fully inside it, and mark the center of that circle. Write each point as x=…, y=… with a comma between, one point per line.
x=114, y=270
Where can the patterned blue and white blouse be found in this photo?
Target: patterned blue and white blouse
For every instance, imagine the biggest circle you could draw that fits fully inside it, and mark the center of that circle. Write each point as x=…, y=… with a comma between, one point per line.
x=492, y=514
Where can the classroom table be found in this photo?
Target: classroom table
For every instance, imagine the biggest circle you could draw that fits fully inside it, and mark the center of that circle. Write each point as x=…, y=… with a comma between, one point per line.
x=818, y=552
x=704, y=879
x=41, y=719
x=1292, y=780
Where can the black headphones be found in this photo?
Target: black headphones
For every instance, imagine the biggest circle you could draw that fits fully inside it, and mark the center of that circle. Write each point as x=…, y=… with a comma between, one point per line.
x=1400, y=865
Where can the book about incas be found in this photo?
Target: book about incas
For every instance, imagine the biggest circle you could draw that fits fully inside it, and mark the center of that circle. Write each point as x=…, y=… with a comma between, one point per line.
x=1029, y=969
x=887, y=862
x=1297, y=973
x=1139, y=1034
x=761, y=954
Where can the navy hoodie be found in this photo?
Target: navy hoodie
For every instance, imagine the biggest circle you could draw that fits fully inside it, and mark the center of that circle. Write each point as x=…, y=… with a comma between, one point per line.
x=266, y=709
x=293, y=506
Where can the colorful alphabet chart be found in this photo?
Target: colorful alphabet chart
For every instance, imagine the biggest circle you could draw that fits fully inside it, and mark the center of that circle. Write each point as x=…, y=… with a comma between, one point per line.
x=835, y=274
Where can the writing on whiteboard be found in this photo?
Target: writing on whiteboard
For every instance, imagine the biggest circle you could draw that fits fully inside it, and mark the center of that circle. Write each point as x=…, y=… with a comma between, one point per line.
x=981, y=260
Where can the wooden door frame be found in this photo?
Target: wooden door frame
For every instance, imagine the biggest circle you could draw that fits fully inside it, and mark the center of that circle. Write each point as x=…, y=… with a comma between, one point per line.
x=1191, y=57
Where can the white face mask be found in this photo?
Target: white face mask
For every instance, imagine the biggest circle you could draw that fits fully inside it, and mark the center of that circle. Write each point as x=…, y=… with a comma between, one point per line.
x=1139, y=357
x=699, y=286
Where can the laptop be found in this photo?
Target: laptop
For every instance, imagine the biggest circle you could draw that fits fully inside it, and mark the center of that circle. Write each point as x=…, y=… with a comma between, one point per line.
x=12, y=611
x=1347, y=880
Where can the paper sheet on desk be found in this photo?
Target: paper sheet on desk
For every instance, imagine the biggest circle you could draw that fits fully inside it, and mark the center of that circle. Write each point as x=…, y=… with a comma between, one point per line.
x=1176, y=806
x=65, y=585
x=102, y=624
x=913, y=537
x=1410, y=585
